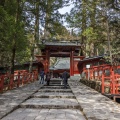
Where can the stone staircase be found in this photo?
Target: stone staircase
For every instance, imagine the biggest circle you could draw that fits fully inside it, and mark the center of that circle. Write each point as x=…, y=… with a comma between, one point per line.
x=49, y=103
x=38, y=102
x=53, y=96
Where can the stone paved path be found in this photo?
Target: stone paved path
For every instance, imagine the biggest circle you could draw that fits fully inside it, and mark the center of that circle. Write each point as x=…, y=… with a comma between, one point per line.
x=48, y=103
x=10, y=100
x=37, y=102
x=94, y=105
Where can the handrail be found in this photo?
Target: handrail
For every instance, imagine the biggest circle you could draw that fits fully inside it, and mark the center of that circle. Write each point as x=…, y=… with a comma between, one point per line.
x=107, y=75
x=19, y=78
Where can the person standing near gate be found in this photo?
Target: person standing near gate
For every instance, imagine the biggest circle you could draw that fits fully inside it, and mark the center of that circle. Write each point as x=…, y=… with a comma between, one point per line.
x=48, y=76
x=42, y=73
x=65, y=77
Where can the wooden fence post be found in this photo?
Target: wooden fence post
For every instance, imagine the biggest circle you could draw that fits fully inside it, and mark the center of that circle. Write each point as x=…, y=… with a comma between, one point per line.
x=102, y=84
x=2, y=83
x=18, y=81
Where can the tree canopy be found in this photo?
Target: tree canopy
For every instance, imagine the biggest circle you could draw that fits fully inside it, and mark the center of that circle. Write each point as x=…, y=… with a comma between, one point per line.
x=25, y=22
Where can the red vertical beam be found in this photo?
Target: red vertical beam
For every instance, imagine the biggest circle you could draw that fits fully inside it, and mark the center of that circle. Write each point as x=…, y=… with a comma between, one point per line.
x=102, y=85
x=2, y=83
x=11, y=81
x=36, y=74
x=113, y=81
x=18, y=82
x=72, y=63
x=47, y=61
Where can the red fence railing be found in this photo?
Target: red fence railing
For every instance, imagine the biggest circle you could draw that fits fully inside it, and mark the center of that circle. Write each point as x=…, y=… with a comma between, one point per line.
x=19, y=78
x=108, y=75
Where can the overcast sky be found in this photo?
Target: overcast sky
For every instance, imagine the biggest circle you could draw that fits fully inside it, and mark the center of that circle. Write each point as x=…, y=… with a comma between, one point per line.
x=65, y=10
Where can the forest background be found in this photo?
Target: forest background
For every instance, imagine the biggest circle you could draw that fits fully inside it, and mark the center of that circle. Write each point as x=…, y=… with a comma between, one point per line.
x=24, y=23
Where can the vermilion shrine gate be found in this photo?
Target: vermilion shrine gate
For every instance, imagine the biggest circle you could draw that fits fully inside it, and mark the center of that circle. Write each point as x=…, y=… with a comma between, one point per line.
x=57, y=48
x=78, y=65
x=107, y=75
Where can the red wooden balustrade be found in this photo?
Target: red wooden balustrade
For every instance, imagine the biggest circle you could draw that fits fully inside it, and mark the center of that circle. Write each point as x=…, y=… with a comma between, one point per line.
x=10, y=81
x=107, y=75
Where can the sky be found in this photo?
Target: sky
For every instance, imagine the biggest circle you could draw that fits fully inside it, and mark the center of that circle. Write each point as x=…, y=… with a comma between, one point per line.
x=65, y=10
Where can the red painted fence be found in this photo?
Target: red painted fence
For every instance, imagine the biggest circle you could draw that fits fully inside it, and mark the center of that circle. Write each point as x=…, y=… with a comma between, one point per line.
x=19, y=78
x=108, y=75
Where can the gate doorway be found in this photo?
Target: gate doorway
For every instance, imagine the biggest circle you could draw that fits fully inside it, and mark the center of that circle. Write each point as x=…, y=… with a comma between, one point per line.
x=63, y=49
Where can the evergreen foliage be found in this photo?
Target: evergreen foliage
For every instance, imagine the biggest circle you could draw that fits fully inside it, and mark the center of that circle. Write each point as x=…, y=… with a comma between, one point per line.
x=23, y=23
x=98, y=25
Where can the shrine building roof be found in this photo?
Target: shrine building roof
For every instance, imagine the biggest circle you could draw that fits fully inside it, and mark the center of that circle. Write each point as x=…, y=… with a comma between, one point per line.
x=62, y=48
x=61, y=43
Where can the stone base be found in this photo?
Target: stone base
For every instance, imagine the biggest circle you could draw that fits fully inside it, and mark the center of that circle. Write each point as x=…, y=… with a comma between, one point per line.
x=95, y=84
x=75, y=77
x=92, y=83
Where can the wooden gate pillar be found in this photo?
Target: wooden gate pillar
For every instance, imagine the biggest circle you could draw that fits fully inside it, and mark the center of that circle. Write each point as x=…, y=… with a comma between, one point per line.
x=47, y=61
x=71, y=63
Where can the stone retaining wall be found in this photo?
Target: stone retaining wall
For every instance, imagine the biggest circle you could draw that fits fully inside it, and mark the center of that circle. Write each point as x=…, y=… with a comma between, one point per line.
x=95, y=84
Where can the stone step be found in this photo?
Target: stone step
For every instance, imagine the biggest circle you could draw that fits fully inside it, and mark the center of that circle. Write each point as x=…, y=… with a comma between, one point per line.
x=55, y=90
x=55, y=83
x=54, y=87
x=45, y=114
x=53, y=95
x=51, y=103
x=58, y=83
x=50, y=106
x=56, y=80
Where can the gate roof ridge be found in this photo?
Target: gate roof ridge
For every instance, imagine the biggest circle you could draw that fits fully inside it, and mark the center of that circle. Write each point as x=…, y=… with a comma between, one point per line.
x=61, y=42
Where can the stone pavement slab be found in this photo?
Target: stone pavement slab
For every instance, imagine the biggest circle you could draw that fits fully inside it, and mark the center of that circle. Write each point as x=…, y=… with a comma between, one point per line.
x=62, y=103
x=34, y=102
x=94, y=105
x=53, y=95
x=45, y=114
x=11, y=99
x=53, y=87
x=55, y=90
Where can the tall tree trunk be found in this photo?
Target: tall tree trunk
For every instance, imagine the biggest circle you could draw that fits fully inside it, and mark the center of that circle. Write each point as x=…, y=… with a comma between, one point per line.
x=46, y=33
x=92, y=53
x=35, y=48
x=14, y=40
x=108, y=39
x=31, y=60
x=83, y=24
x=93, y=23
x=32, y=53
x=36, y=26
x=47, y=17
x=107, y=30
x=12, y=60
